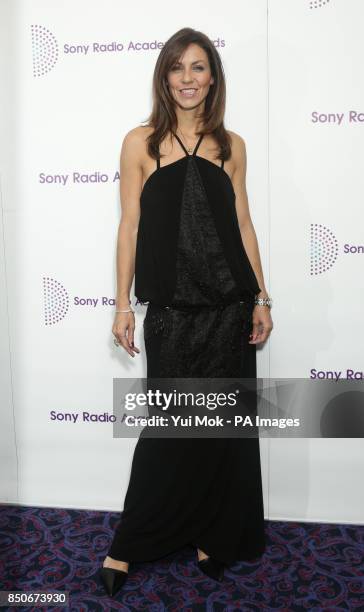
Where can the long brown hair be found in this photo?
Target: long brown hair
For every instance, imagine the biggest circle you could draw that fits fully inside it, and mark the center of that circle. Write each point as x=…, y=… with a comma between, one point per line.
x=163, y=118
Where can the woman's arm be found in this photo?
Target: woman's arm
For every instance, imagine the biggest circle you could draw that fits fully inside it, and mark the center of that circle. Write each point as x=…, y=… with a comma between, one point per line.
x=262, y=320
x=131, y=176
x=247, y=230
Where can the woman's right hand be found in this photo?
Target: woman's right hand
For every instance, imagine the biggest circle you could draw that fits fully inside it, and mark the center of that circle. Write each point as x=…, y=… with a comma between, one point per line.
x=123, y=330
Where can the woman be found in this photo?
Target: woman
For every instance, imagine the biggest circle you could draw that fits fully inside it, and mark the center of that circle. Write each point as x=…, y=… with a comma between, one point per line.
x=187, y=233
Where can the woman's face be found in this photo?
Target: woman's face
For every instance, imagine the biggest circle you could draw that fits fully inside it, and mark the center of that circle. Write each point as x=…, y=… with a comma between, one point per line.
x=190, y=77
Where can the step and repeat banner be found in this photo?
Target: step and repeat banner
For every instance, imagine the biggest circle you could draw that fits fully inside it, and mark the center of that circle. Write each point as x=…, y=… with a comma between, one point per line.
x=77, y=78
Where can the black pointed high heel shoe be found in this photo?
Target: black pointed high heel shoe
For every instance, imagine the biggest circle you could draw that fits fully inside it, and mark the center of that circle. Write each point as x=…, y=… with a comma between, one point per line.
x=212, y=568
x=112, y=579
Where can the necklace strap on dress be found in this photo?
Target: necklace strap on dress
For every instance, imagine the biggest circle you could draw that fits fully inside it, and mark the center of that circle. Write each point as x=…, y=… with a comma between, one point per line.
x=183, y=146
x=188, y=154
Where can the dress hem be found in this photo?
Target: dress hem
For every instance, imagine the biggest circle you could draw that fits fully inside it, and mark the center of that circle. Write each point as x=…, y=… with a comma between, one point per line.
x=242, y=557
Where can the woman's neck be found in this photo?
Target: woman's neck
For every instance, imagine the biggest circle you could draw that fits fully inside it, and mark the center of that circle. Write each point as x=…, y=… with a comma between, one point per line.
x=188, y=124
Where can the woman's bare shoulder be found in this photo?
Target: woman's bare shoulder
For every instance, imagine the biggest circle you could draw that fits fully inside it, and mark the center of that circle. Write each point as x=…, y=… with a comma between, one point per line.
x=134, y=146
x=238, y=148
x=237, y=141
x=136, y=138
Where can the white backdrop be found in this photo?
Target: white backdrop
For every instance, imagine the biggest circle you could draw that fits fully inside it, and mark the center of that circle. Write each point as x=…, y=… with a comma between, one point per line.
x=66, y=107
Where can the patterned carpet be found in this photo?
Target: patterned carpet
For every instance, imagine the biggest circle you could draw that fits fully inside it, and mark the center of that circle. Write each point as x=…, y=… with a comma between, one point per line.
x=306, y=566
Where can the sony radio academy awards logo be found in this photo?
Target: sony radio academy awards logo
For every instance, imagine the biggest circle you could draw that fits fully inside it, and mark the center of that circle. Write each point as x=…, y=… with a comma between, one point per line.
x=56, y=300
x=46, y=49
x=324, y=249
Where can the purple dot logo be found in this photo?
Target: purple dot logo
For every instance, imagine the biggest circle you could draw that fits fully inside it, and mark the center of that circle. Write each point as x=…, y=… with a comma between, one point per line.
x=56, y=301
x=324, y=249
x=314, y=4
x=44, y=50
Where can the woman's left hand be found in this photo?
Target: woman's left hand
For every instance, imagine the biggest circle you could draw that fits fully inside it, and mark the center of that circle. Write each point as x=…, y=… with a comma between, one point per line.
x=262, y=324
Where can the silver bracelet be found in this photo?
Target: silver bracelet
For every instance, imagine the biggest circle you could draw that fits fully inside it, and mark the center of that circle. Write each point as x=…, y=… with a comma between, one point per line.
x=263, y=302
x=128, y=310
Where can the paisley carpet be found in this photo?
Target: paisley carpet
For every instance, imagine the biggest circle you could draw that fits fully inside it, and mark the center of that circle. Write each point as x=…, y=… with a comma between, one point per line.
x=307, y=566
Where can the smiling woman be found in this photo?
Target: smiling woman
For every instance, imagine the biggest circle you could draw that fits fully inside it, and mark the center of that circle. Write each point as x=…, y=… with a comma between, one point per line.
x=185, y=213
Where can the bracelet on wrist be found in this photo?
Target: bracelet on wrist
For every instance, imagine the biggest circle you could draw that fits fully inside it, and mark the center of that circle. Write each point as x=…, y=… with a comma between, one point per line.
x=129, y=309
x=267, y=301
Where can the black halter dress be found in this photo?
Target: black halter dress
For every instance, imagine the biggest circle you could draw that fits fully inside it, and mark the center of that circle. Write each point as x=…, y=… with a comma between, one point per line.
x=194, y=273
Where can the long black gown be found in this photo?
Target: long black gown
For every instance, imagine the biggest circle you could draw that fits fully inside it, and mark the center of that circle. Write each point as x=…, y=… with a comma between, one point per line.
x=192, y=269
